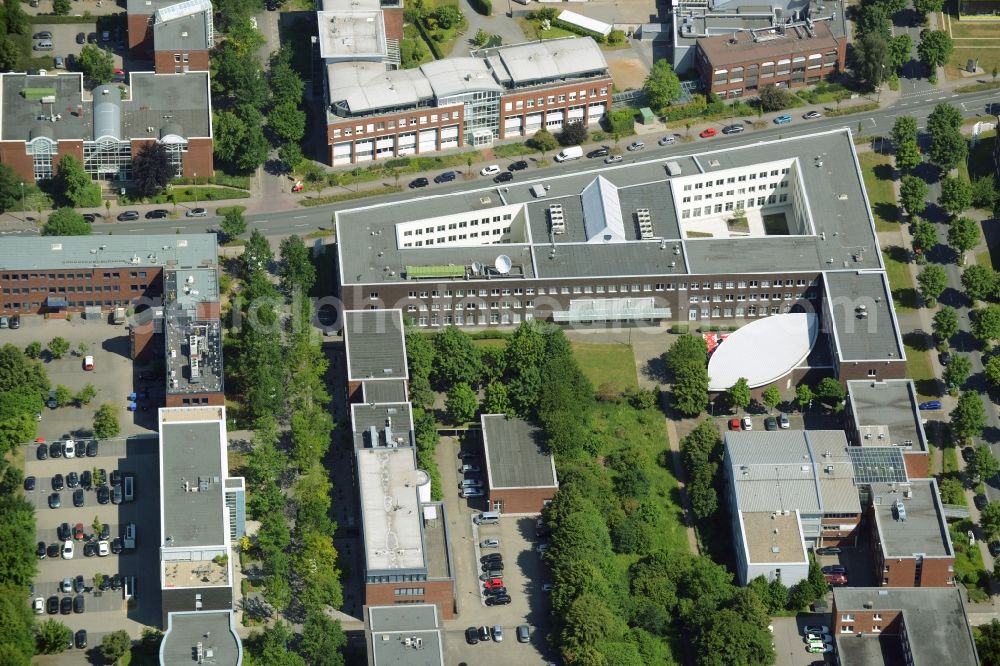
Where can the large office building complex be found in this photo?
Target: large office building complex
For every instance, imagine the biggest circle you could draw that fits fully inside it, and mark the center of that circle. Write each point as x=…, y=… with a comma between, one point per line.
x=47, y=116
x=767, y=231
x=375, y=110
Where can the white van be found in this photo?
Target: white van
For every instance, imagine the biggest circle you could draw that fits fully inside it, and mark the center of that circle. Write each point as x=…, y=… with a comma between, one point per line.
x=570, y=153
x=43, y=45
x=487, y=518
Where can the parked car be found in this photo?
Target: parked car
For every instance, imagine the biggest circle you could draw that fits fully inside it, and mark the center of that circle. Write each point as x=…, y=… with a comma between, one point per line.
x=735, y=424
x=636, y=145
x=90, y=549
x=419, y=182
x=29, y=483
x=81, y=639
x=157, y=214
x=968, y=454
x=494, y=591
x=67, y=550
x=69, y=446
x=52, y=605
x=502, y=600
x=836, y=579
x=470, y=469
x=40, y=551
x=493, y=582
x=667, y=140
x=489, y=543
x=491, y=170
x=492, y=557
x=930, y=405
x=980, y=501
x=733, y=129
x=78, y=584
x=497, y=633
x=813, y=115
x=103, y=495
x=834, y=569
x=469, y=493
x=770, y=423
x=53, y=550
x=994, y=548
x=708, y=133
x=15, y=321
x=42, y=452
x=86, y=479
x=472, y=636
x=828, y=550
x=91, y=449
x=815, y=629
x=445, y=177
x=783, y=422
x=128, y=216
x=747, y=423
x=196, y=212
x=64, y=531
x=78, y=604
x=603, y=151
x=611, y=159
x=783, y=120
x=491, y=566
x=78, y=531
x=523, y=633
x=55, y=501
x=484, y=633
x=519, y=165
x=487, y=578
x=78, y=499
x=503, y=177
x=72, y=480
x=44, y=34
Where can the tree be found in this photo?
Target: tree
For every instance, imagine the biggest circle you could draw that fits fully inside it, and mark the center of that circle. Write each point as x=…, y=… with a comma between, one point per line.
x=926, y=7
x=86, y=394
x=481, y=37
x=944, y=117
x=956, y=194
x=573, y=134
x=984, y=465
x=457, y=360
x=738, y=395
x=290, y=155
x=496, y=400
x=871, y=58
x=65, y=222
x=986, y=323
x=448, y=16
x=908, y=156
x=687, y=359
x=984, y=192
x=287, y=121
x=58, y=347
x=9, y=54
x=33, y=350
x=804, y=396
x=115, y=644
x=773, y=98
x=461, y=403
x=912, y=194
x=957, y=371
x=899, y=50
x=285, y=83
x=10, y=188
x=662, y=85
x=63, y=396
x=296, y=269
x=992, y=370
x=948, y=149
x=904, y=130
x=935, y=48
x=239, y=139
x=106, y=422
x=257, y=255
x=323, y=640
x=873, y=19
x=233, y=224
x=968, y=419
x=61, y=8
x=238, y=74
x=932, y=280
x=74, y=185
x=963, y=235
x=543, y=141
x=831, y=391
x=316, y=564
x=16, y=19
x=53, y=637
x=96, y=63
x=945, y=324
x=771, y=397
x=924, y=236
x=151, y=168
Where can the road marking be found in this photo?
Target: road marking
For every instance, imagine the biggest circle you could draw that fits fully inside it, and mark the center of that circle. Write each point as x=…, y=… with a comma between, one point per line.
x=138, y=230
x=954, y=95
x=874, y=124
x=299, y=217
x=304, y=224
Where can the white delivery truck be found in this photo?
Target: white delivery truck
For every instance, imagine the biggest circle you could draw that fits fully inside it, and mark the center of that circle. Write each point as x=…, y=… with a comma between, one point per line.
x=570, y=153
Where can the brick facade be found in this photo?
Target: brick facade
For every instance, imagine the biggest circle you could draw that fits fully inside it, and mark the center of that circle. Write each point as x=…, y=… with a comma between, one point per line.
x=14, y=155
x=25, y=292
x=898, y=571
x=175, y=62
x=181, y=400
x=551, y=107
x=852, y=621
x=393, y=130
x=199, y=158
x=519, y=500
x=440, y=592
x=140, y=36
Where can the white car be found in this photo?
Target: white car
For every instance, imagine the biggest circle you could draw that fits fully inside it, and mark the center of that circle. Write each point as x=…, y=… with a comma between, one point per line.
x=69, y=449
x=611, y=159
x=667, y=141
x=812, y=115
x=88, y=363
x=820, y=638
x=470, y=469
x=747, y=423
x=498, y=633
x=67, y=549
x=103, y=549
x=636, y=145
x=39, y=605
x=491, y=170
x=489, y=543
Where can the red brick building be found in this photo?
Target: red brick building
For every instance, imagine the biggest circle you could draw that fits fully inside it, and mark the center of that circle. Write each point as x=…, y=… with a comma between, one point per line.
x=175, y=35
x=46, y=117
x=787, y=56
x=520, y=469
x=886, y=413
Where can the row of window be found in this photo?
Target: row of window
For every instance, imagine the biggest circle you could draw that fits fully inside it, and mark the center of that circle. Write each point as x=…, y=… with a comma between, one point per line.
x=454, y=225
x=34, y=305
x=729, y=193
x=493, y=305
x=71, y=289
x=454, y=238
x=551, y=99
x=69, y=276
x=734, y=179
x=396, y=578
x=769, y=69
x=402, y=122
x=484, y=320
x=751, y=85
x=408, y=592
x=698, y=211
x=194, y=401
x=729, y=298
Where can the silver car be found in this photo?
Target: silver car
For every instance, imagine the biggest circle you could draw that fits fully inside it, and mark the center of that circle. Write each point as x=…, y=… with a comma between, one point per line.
x=667, y=141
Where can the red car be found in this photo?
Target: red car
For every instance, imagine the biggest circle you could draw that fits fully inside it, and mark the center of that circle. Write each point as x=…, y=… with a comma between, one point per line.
x=78, y=531
x=734, y=424
x=493, y=582
x=708, y=134
x=836, y=579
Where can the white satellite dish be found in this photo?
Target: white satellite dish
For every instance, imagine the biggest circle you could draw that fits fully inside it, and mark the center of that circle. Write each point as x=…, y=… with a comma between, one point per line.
x=503, y=264
x=477, y=267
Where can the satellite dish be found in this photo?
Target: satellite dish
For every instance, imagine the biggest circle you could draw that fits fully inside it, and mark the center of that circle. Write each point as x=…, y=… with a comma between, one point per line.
x=503, y=264
x=477, y=267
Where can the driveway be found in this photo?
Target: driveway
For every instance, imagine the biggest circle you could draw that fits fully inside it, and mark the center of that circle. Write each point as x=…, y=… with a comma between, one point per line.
x=789, y=643
x=498, y=24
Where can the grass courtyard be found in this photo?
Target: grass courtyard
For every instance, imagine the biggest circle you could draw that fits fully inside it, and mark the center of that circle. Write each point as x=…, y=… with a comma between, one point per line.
x=612, y=364
x=878, y=174
x=973, y=40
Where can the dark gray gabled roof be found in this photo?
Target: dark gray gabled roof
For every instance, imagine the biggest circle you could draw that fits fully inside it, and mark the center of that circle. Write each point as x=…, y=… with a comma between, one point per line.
x=376, y=344
x=516, y=454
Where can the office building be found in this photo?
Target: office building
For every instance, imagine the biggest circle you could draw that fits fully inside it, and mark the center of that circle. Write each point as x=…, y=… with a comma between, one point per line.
x=887, y=413
x=46, y=117
x=175, y=35
x=201, y=637
x=411, y=635
x=520, y=468
x=714, y=237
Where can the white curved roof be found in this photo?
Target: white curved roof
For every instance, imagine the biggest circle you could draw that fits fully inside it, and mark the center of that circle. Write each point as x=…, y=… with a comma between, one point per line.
x=763, y=351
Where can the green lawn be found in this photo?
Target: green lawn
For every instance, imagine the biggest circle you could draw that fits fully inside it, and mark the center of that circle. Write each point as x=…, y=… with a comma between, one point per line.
x=606, y=364
x=877, y=170
x=949, y=460
x=918, y=366
x=904, y=294
x=980, y=157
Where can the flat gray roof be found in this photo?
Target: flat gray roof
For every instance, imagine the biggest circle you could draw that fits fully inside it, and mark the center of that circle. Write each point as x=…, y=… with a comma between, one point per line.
x=551, y=59
x=392, y=633
x=376, y=344
x=193, y=353
x=516, y=454
x=185, y=28
x=891, y=404
x=166, y=103
x=937, y=627
x=864, y=321
x=388, y=481
x=191, y=472
x=387, y=390
x=396, y=417
x=69, y=252
x=871, y=649
x=189, y=286
x=924, y=531
x=788, y=470
x=842, y=231
x=147, y=7
x=212, y=630
x=351, y=34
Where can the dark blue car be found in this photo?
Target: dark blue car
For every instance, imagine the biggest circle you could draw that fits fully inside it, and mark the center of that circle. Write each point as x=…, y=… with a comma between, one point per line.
x=445, y=177
x=930, y=405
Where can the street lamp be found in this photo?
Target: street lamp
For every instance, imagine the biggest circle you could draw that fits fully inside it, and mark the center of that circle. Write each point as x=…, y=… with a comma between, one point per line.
x=24, y=213
x=195, y=189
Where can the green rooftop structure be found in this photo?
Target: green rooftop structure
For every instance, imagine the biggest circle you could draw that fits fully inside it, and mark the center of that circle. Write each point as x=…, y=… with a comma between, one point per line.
x=646, y=115
x=38, y=93
x=424, y=272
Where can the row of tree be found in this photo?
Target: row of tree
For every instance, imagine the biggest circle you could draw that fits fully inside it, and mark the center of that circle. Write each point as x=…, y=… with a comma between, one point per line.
x=879, y=56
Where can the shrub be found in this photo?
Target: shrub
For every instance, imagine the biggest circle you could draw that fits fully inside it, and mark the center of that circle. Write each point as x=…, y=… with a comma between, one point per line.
x=583, y=32
x=484, y=7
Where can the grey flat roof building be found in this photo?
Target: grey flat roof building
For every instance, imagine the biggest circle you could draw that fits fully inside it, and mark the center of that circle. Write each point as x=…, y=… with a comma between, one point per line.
x=920, y=529
x=516, y=454
x=937, y=629
x=201, y=637
x=384, y=391
x=191, y=472
x=888, y=408
x=376, y=344
x=391, y=421
x=860, y=304
x=183, y=26
x=405, y=635
x=26, y=253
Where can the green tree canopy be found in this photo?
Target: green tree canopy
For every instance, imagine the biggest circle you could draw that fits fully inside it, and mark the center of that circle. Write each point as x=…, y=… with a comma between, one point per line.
x=11, y=187
x=932, y=280
x=908, y=156
x=75, y=186
x=543, y=141
x=984, y=192
x=573, y=134
x=151, y=168
x=96, y=63
x=924, y=236
x=296, y=269
x=233, y=224
x=935, y=48
x=687, y=359
x=871, y=58
x=323, y=640
x=944, y=117
x=53, y=636
x=65, y=222
x=115, y=644
x=773, y=98
x=945, y=323
x=831, y=391
x=804, y=395
x=963, y=235
x=956, y=194
x=948, y=149
x=968, y=419
x=957, y=371
x=992, y=370
x=984, y=465
x=738, y=395
x=904, y=130
x=106, y=422
x=287, y=121
x=986, y=323
x=461, y=403
x=912, y=194
x=662, y=85
x=926, y=7
x=899, y=50
x=457, y=360
x=771, y=397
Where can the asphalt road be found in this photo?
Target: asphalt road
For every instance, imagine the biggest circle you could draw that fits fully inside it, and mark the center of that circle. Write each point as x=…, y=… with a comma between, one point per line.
x=305, y=220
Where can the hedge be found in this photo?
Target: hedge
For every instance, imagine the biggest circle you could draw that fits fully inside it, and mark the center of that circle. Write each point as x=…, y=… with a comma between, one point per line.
x=431, y=44
x=860, y=108
x=583, y=32
x=484, y=7
x=320, y=201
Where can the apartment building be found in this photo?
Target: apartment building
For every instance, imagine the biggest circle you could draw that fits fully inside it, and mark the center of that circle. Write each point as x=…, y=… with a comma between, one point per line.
x=880, y=627
x=709, y=238
x=788, y=55
x=407, y=551
x=47, y=116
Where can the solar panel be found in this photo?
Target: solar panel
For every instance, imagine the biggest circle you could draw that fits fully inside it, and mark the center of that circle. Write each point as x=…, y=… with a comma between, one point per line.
x=877, y=464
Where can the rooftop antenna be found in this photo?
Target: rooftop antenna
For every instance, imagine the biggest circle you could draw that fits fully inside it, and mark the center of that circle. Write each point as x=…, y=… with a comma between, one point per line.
x=503, y=264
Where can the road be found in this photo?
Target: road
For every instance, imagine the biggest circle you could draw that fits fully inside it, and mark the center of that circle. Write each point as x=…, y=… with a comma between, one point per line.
x=305, y=220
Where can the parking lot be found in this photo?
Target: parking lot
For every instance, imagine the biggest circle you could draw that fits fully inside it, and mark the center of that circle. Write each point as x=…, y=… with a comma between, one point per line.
x=64, y=40
x=524, y=574
x=789, y=641
x=114, y=375
x=104, y=611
